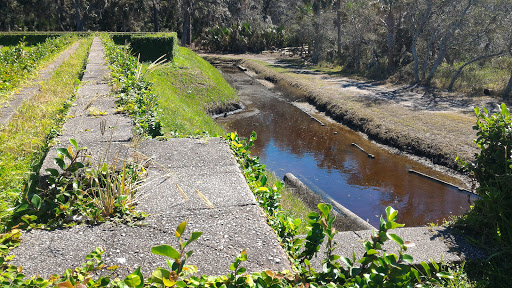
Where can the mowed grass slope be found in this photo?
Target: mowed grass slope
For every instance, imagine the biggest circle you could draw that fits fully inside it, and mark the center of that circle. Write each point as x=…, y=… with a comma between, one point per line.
x=188, y=90
x=24, y=141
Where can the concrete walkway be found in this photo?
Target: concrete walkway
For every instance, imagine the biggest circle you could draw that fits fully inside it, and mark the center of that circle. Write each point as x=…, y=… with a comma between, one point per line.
x=216, y=199
x=8, y=109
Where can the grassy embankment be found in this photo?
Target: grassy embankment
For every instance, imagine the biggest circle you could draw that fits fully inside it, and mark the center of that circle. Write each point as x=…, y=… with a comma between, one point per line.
x=190, y=88
x=438, y=136
x=25, y=140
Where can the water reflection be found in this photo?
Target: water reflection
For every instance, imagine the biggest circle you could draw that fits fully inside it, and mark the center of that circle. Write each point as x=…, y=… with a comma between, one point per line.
x=322, y=157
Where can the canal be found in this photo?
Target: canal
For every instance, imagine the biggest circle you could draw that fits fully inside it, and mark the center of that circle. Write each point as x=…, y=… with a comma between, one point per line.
x=324, y=158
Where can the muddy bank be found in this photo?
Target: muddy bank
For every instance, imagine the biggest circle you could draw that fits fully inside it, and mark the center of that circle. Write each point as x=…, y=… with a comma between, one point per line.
x=435, y=134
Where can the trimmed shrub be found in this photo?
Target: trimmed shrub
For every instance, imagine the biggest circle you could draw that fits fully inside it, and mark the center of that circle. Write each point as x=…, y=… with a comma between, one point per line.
x=30, y=39
x=153, y=46
x=150, y=46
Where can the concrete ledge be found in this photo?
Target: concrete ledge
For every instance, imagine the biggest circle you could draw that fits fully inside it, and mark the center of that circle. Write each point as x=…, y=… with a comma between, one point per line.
x=346, y=220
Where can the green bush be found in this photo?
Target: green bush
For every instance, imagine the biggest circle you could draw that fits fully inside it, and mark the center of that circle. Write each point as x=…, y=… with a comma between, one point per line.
x=134, y=92
x=492, y=169
x=150, y=46
x=30, y=39
x=153, y=46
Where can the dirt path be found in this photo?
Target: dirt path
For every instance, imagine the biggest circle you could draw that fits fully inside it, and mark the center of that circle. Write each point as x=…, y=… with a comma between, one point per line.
x=414, y=97
x=8, y=109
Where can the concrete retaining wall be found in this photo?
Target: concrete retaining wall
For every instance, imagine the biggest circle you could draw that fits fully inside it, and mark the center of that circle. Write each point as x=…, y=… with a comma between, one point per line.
x=346, y=220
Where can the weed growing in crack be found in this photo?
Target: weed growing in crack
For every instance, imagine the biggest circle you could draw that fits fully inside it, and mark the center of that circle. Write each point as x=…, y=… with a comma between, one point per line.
x=79, y=192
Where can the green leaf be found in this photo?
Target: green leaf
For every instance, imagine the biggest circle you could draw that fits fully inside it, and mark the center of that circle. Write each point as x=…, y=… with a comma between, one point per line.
x=391, y=214
x=426, y=268
x=263, y=180
x=324, y=208
x=53, y=172
x=73, y=142
x=181, y=229
x=396, y=238
x=161, y=273
x=504, y=110
x=135, y=280
x=64, y=152
x=193, y=237
x=407, y=258
x=347, y=261
x=60, y=162
x=371, y=252
x=188, y=254
x=241, y=271
x=36, y=201
x=436, y=266
x=445, y=275
x=166, y=250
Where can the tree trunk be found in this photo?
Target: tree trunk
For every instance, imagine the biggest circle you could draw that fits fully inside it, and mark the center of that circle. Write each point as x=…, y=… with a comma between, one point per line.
x=416, y=60
x=155, y=16
x=78, y=16
x=390, y=39
x=440, y=57
x=317, y=57
x=508, y=89
x=338, y=26
x=427, y=55
x=445, y=43
x=187, y=25
x=450, y=87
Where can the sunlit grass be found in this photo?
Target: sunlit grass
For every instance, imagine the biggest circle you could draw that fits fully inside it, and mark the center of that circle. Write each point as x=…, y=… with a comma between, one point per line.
x=24, y=140
x=187, y=90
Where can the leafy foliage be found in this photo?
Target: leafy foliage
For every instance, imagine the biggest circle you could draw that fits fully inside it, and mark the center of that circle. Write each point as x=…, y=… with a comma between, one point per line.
x=79, y=193
x=135, y=93
x=241, y=38
x=492, y=169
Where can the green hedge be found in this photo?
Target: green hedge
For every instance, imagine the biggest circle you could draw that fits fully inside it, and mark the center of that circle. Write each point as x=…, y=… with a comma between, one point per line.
x=12, y=39
x=31, y=38
x=150, y=46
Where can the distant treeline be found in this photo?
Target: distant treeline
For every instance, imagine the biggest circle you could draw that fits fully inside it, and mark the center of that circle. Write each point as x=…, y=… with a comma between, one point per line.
x=417, y=41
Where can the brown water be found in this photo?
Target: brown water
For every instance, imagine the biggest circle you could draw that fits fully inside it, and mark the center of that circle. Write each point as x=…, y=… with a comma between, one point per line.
x=324, y=159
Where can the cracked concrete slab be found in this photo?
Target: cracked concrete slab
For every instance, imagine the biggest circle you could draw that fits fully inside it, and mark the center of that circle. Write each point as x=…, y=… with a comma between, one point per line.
x=118, y=128
x=226, y=232
x=210, y=152
x=424, y=244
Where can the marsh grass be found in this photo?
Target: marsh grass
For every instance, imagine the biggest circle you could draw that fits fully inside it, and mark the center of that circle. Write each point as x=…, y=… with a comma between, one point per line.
x=188, y=90
x=25, y=139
